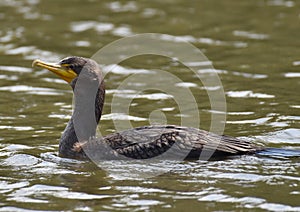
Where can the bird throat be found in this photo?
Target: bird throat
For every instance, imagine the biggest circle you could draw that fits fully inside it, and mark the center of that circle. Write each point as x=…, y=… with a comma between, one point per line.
x=88, y=104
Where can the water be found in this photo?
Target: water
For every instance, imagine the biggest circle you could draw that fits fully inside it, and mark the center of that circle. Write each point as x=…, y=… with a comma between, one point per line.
x=254, y=47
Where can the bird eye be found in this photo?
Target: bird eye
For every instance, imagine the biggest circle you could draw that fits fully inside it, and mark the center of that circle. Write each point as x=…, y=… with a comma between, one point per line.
x=72, y=67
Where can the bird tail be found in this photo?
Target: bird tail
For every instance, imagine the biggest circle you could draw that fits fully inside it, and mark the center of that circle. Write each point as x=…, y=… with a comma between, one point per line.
x=278, y=152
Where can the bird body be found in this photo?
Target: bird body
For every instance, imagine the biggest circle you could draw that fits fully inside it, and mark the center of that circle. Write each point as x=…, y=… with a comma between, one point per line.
x=158, y=141
x=163, y=141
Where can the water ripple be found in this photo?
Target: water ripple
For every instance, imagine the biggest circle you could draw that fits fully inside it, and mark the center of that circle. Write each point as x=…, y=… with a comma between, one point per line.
x=87, y=25
x=17, y=69
x=121, y=116
x=250, y=35
x=248, y=94
x=32, y=90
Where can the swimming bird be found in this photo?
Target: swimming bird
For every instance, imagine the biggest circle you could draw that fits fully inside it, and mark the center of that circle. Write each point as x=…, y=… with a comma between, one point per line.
x=78, y=139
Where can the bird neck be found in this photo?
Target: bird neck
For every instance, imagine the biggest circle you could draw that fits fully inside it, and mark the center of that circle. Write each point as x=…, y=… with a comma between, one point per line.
x=83, y=123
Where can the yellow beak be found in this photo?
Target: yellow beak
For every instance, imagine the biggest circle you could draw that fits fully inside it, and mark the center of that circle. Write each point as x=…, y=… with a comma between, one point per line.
x=63, y=72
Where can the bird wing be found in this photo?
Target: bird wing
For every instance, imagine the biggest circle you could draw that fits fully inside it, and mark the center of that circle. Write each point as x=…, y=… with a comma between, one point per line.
x=168, y=141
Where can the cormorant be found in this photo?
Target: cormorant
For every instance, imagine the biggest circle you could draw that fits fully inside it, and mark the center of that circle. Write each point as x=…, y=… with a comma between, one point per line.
x=138, y=143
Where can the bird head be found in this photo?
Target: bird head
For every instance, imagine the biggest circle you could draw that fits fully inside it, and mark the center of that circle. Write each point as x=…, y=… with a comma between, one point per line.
x=70, y=68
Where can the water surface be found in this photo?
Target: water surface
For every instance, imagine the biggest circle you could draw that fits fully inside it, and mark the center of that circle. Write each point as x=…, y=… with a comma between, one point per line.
x=254, y=47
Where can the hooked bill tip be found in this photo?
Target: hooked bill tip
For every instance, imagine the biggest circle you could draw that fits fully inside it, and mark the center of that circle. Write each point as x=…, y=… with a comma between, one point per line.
x=35, y=62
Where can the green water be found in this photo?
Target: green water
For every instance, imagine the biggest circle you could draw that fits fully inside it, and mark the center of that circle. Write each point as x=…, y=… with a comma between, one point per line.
x=254, y=47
